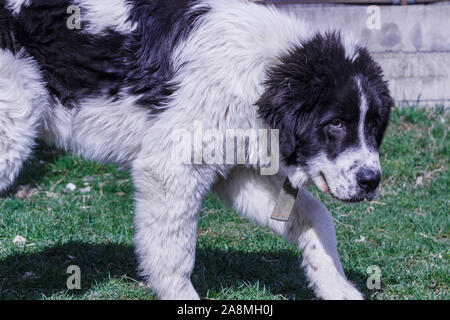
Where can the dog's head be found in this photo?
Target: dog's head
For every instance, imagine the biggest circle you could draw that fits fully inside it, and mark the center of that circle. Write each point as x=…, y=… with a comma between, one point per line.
x=332, y=108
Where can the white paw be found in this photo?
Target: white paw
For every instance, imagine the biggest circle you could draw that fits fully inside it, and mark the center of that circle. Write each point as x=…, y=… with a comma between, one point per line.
x=187, y=293
x=341, y=290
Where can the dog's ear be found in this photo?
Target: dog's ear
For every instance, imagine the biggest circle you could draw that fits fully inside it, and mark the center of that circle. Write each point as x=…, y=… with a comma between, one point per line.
x=292, y=91
x=288, y=140
x=282, y=109
x=274, y=111
x=298, y=84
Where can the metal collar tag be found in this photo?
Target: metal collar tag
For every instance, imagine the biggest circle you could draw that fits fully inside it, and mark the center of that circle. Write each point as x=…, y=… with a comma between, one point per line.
x=285, y=202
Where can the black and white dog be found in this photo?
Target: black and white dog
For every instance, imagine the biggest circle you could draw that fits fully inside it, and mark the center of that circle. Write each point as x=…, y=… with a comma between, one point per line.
x=115, y=88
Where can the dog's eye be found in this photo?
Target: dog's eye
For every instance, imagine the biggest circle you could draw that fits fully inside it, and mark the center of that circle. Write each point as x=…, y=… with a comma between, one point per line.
x=336, y=123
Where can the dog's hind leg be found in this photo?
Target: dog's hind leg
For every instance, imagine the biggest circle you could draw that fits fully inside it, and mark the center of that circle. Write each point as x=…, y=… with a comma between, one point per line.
x=310, y=227
x=23, y=104
x=168, y=201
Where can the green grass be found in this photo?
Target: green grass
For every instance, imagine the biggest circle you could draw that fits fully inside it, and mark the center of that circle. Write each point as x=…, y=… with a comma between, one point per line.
x=406, y=230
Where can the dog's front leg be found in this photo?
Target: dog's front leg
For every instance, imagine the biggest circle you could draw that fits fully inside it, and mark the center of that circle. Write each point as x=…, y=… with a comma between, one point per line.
x=23, y=105
x=310, y=227
x=167, y=212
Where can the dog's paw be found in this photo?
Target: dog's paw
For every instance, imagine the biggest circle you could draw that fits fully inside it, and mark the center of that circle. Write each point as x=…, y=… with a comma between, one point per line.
x=187, y=293
x=341, y=290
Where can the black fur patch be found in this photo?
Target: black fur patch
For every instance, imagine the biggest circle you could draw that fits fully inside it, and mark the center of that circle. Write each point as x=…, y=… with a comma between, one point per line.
x=7, y=30
x=315, y=84
x=161, y=26
x=76, y=64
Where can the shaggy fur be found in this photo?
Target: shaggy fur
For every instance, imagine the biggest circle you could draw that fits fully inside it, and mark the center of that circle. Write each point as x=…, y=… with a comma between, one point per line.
x=137, y=70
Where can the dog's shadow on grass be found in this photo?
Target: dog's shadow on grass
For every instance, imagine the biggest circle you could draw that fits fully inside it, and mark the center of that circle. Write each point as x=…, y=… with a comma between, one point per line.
x=44, y=273
x=34, y=275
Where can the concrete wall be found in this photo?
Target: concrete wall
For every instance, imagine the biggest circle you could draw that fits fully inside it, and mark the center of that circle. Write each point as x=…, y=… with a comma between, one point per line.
x=412, y=46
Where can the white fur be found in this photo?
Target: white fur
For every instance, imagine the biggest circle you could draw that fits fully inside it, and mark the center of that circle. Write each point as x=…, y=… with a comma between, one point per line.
x=106, y=14
x=102, y=129
x=23, y=103
x=221, y=69
x=16, y=5
x=231, y=67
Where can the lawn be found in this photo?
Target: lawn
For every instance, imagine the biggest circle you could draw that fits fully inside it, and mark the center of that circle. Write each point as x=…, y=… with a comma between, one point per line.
x=405, y=231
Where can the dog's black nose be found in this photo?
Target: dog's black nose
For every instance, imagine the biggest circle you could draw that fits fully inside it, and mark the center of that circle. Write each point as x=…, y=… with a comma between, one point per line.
x=368, y=179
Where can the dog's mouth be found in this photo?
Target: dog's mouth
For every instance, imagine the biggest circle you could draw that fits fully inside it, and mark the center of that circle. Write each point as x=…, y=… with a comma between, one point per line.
x=325, y=187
